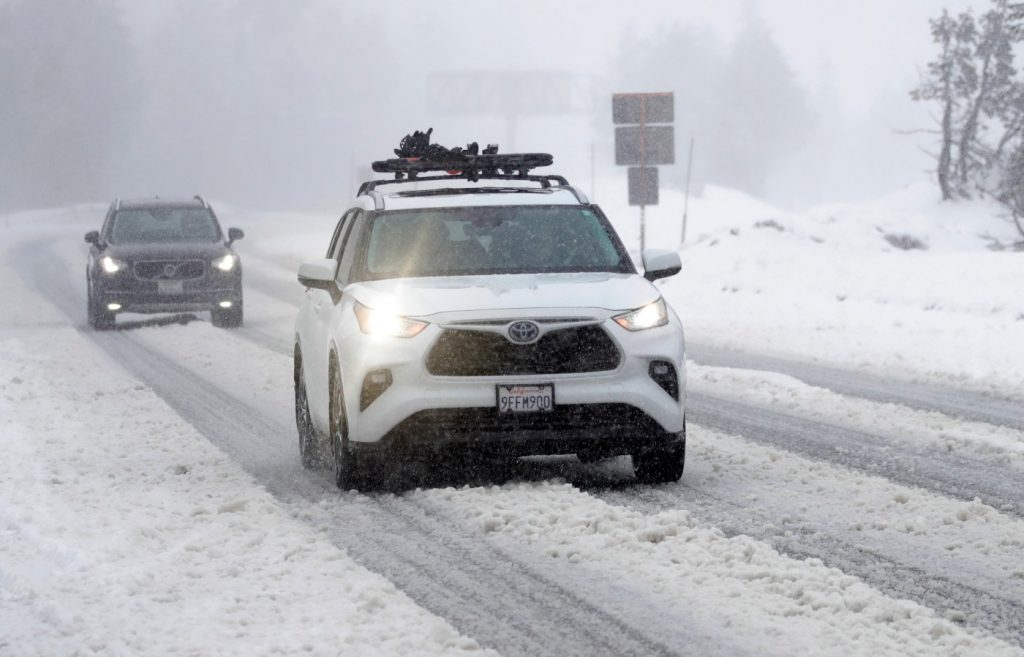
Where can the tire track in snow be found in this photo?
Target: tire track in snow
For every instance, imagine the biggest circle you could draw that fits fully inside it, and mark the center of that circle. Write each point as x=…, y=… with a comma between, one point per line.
x=950, y=474
x=965, y=404
x=988, y=610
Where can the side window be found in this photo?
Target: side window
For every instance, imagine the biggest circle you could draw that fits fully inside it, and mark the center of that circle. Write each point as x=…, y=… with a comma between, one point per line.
x=332, y=250
x=348, y=254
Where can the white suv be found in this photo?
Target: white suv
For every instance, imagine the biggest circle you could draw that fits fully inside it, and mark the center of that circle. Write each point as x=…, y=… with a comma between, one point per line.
x=485, y=310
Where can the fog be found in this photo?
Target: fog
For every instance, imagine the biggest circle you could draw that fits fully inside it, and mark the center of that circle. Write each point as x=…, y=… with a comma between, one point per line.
x=269, y=104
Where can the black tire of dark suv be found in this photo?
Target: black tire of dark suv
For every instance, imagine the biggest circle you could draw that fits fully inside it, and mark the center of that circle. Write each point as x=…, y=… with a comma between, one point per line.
x=99, y=318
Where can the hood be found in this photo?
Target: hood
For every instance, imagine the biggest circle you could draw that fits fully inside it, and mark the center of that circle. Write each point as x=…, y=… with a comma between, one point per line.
x=167, y=250
x=420, y=297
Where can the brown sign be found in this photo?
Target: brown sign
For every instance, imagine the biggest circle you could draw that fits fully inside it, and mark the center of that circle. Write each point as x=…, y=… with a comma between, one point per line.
x=643, y=185
x=643, y=108
x=645, y=145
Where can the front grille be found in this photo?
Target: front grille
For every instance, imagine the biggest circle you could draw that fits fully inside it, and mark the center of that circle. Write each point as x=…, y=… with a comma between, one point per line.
x=483, y=353
x=170, y=270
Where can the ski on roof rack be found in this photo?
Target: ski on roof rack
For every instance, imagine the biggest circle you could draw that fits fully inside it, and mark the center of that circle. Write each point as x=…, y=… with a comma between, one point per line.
x=510, y=164
x=417, y=155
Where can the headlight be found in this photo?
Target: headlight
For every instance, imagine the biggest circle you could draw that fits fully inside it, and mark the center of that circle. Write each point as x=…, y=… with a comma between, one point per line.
x=110, y=265
x=645, y=317
x=225, y=262
x=378, y=322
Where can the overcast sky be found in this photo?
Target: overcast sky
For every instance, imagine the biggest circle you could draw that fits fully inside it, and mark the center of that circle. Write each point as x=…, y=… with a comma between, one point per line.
x=864, y=48
x=856, y=60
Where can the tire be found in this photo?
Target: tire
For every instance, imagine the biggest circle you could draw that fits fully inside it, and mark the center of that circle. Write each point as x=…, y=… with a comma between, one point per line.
x=309, y=443
x=99, y=318
x=660, y=466
x=344, y=463
x=227, y=317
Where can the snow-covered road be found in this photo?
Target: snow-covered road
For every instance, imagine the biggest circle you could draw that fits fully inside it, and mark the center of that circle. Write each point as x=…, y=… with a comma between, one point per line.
x=840, y=515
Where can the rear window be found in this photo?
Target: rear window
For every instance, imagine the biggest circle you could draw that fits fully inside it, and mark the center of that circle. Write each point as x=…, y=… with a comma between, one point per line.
x=491, y=240
x=143, y=225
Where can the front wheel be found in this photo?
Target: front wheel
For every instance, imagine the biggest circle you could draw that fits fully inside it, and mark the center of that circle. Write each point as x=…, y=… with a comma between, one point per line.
x=309, y=445
x=660, y=466
x=99, y=317
x=346, y=465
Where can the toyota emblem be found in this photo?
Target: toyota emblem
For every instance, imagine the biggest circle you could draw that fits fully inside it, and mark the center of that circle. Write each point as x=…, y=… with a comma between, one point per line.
x=523, y=332
x=170, y=270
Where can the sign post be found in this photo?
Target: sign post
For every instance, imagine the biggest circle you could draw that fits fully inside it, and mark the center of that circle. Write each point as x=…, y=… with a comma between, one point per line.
x=643, y=146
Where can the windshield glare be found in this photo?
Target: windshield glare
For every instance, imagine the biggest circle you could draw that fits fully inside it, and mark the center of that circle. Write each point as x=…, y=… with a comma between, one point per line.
x=491, y=240
x=163, y=225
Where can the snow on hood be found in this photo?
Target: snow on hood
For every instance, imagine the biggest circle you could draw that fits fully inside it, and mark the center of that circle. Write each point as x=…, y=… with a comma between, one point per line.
x=431, y=295
x=156, y=250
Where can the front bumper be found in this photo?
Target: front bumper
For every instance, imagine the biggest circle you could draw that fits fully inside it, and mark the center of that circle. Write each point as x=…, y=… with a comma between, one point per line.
x=608, y=412
x=144, y=296
x=598, y=430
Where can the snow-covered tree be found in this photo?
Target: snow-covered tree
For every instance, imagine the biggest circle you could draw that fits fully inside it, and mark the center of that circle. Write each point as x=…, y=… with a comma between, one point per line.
x=950, y=79
x=974, y=81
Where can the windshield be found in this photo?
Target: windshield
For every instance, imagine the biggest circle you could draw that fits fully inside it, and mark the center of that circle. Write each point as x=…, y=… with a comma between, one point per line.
x=492, y=240
x=164, y=225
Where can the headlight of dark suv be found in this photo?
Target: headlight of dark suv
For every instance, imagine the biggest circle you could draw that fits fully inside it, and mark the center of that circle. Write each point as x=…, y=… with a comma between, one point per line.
x=226, y=262
x=112, y=265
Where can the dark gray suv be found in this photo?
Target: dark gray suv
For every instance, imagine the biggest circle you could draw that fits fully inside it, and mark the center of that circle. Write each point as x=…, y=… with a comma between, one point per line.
x=157, y=255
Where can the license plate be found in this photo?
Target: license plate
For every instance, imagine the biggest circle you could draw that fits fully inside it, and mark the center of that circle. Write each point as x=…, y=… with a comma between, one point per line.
x=169, y=287
x=526, y=399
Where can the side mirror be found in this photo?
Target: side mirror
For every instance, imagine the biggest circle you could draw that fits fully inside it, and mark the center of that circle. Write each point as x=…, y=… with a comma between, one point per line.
x=93, y=237
x=319, y=275
x=660, y=264
x=235, y=234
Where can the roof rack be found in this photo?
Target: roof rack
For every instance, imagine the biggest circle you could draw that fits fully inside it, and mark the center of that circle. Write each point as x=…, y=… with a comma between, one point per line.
x=466, y=163
x=545, y=181
x=512, y=166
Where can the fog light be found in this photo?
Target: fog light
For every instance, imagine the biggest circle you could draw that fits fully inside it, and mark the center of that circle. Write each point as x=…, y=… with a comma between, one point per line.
x=664, y=374
x=113, y=306
x=224, y=304
x=374, y=385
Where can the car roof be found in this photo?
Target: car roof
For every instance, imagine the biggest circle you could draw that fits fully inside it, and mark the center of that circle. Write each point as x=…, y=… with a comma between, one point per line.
x=457, y=193
x=146, y=203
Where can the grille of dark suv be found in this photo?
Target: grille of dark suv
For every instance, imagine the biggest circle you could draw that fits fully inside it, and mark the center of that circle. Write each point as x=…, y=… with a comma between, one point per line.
x=562, y=351
x=169, y=270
